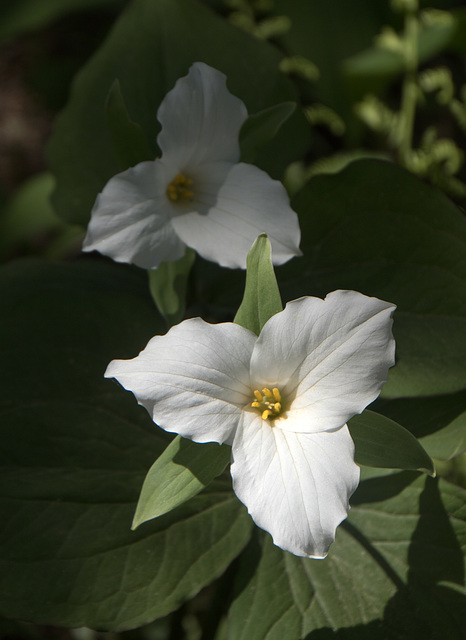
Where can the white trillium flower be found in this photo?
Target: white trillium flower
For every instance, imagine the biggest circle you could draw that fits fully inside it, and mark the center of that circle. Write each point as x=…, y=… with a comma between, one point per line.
x=281, y=400
x=197, y=194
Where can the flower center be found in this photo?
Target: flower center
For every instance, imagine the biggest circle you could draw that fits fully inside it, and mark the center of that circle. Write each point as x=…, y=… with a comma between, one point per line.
x=268, y=403
x=179, y=189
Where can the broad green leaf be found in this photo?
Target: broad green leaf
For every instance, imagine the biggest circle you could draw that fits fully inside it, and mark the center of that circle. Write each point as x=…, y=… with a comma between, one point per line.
x=128, y=138
x=149, y=49
x=396, y=570
x=261, y=294
x=168, y=284
x=437, y=421
x=376, y=229
x=381, y=442
x=181, y=472
x=261, y=127
x=449, y=442
x=75, y=450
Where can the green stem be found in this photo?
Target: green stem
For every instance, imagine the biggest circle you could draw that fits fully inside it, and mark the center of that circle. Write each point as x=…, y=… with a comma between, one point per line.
x=409, y=91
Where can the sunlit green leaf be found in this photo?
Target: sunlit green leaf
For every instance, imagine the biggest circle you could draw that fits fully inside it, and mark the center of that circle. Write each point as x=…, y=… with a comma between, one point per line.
x=181, y=472
x=261, y=294
x=449, y=442
x=381, y=442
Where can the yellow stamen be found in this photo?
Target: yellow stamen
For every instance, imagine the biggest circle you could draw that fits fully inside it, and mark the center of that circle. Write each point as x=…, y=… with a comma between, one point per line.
x=178, y=189
x=269, y=403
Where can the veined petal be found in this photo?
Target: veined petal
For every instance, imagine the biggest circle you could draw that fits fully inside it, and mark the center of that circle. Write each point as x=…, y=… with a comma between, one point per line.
x=240, y=206
x=330, y=356
x=200, y=119
x=131, y=219
x=193, y=381
x=295, y=486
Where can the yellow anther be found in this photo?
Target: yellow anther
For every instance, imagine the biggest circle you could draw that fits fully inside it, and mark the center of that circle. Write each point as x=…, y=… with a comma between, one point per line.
x=269, y=403
x=178, y=189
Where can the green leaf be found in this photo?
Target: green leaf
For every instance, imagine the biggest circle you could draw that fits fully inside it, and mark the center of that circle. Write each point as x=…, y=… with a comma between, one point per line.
x=75, y=450
x=437, y=421
x=261, y=127
x=381, y=442
x=396, y=570
x=376, y=229
x=449, y=442
x=151, y=46
x=180, y=473
x=261, y=294
x=168, y=284
x=128, y=138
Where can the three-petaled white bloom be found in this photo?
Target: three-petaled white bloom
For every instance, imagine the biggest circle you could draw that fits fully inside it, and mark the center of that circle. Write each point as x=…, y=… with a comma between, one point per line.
x=281, y=400
x=197, y=194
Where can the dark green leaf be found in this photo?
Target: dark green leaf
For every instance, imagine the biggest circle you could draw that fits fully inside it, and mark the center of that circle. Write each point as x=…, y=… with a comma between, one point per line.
x=381, y=442
x=75, y=450
x=261, y=295
x=168, y=284
x=128, y=138
x=180, y=473
x=261, y=127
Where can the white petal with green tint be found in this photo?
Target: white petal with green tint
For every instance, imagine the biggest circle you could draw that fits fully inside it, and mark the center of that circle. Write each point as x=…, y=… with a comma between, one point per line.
x=331, y=357
x=200, y=119
x=296, y=486
x=240, y=204
x=194, y=380
x=131, y=219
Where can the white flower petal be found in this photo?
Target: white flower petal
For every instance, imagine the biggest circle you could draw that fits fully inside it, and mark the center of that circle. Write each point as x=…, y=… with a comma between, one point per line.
x=240, y=206
x=131, y=219
x=193, y=381
x=295, y=486
x=331, y=357
x=200, y=119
